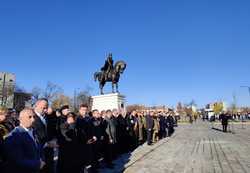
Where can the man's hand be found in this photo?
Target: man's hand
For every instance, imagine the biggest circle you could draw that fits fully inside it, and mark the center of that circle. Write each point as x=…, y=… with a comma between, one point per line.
x=42, y=164
x=94, y=138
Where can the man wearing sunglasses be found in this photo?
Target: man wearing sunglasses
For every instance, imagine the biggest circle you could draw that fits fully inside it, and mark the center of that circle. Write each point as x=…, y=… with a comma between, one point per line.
x=21, y=147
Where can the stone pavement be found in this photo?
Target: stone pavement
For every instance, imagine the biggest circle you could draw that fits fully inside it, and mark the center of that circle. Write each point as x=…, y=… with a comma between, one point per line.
x=197, y=148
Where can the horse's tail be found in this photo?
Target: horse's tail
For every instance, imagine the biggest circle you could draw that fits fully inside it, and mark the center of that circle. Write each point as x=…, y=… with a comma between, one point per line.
x=96, y=74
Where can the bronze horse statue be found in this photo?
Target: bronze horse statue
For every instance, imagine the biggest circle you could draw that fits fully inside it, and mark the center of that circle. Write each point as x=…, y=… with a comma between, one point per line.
x=113, y=76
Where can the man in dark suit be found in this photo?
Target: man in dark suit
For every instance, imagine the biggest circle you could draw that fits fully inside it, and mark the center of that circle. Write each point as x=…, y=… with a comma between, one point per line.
x=224, y=121
x=21, y=147
x=149, y=127
x=51, y=121
x=40, y=126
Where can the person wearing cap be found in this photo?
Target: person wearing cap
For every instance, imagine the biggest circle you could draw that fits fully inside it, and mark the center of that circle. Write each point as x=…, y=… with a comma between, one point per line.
x=66, y=122
x=64, y=110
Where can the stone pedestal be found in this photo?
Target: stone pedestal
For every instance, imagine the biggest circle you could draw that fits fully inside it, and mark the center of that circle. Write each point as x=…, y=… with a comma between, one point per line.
x=108, y=101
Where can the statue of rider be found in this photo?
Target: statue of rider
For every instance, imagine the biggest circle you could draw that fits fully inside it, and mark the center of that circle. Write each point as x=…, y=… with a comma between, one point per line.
x=108, y=66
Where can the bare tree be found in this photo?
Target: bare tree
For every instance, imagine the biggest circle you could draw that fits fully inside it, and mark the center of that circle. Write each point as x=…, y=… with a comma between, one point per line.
x=36, y=94
x=51, y=91
x=137, y=107
x=180, y=110
x=83, y=97
x=61, y=100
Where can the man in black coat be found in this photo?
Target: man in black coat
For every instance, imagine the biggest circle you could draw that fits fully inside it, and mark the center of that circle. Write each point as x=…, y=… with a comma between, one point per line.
x=70, y=160
x=51, y=121
x=85, y=126
x=132, y=127
x=163, y=126
x=149, y=126
x=110, y=138
x=98, y=133
x=170, y=122
x=122, y=136
x=40, y=125
x=224, y=121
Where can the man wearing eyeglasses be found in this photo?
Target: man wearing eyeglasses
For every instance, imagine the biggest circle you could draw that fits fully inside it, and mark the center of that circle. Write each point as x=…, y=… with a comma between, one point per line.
x=21, y=147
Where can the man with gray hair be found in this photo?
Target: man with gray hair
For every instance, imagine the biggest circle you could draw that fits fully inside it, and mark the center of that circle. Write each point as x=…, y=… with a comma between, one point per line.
x=40, y=124
x=21, y=147
x=40, y=127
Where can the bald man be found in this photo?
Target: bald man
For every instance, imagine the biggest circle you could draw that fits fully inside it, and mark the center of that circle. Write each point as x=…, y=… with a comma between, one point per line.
x=21, y=148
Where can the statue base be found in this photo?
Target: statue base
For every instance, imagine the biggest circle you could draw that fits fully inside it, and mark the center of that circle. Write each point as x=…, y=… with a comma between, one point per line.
x=108, y=101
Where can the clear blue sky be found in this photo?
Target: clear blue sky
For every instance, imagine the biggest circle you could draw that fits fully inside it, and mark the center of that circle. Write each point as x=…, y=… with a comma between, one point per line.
x=176, y=50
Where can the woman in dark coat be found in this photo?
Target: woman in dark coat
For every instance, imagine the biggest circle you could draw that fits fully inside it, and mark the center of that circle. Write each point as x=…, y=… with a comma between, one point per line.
x=69, y=160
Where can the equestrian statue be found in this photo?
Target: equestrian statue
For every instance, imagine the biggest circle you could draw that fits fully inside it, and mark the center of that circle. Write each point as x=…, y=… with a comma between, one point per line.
x=110, y=73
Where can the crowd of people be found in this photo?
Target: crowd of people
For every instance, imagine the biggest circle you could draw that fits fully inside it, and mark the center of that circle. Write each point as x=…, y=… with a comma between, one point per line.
x=41, y=139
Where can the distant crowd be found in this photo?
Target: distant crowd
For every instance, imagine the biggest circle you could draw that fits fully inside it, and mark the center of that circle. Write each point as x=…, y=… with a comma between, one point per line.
x=41, y=139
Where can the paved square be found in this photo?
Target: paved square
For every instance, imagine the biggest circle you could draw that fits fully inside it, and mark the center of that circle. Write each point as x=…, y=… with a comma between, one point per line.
x=197, y=148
